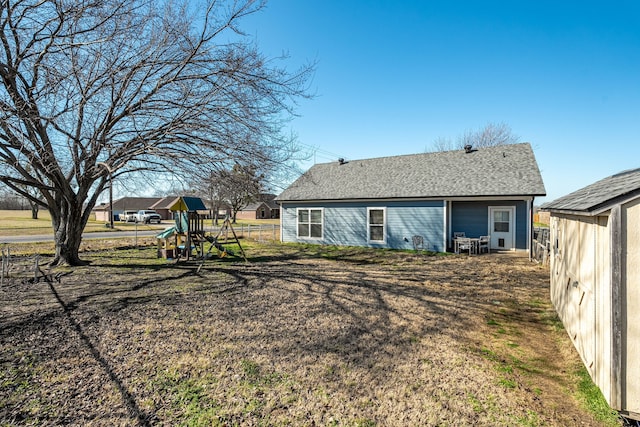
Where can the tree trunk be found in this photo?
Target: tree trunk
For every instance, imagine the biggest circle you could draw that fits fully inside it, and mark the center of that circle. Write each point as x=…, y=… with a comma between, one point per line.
x=68, y=225
x=214, y=215
x=34, y=210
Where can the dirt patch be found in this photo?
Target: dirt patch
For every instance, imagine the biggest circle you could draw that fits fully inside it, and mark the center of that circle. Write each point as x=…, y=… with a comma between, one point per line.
x=297, y=336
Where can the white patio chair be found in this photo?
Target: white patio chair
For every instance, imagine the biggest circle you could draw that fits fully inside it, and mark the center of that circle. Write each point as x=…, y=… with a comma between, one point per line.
x=418, y=243
x=464, y=244
x=484, y=244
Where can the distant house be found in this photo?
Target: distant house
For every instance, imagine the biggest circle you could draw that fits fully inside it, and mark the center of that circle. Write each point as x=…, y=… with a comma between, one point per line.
x=163, y=206
x=595, y=282
x=125, y=204
x=384, y=202
x=264, y=208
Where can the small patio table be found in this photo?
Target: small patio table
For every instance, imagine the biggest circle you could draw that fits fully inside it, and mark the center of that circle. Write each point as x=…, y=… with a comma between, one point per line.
x=472, y=242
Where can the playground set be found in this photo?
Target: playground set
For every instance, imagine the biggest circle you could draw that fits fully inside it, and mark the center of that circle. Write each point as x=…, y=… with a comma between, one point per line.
x=187, y=239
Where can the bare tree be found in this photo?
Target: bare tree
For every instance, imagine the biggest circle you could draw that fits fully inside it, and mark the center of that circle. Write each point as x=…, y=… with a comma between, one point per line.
x=210, y=189
x=93, y=90
x=237, y=187
x=35, y=206
x=490, y=135
x=443, y=144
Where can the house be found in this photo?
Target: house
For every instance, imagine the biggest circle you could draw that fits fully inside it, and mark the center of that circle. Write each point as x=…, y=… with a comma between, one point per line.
x=124, y=204
x=384, y=202
x=264, y=208
x=163, y=206
x=595, y=282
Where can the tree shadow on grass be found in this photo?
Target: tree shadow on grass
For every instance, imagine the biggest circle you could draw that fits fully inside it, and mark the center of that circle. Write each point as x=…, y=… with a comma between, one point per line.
x=290, y=305
x=355, y=307
x=144, y=419
x=74, y=293
x=365, y=308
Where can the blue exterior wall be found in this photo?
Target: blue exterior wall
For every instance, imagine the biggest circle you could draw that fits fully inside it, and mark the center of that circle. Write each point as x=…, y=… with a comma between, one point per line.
x=346, y=224
x=473, y=219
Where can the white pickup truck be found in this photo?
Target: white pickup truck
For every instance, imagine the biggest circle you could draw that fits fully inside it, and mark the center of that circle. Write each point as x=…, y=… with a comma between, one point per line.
x=128, y=216
x=148, y=216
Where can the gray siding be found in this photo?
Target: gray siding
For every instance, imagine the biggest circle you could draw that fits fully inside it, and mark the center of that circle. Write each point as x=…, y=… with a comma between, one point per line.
x=473, y=219
x=346, y=224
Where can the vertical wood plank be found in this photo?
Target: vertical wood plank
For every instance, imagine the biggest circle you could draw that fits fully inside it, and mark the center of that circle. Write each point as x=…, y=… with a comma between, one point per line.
x=615, y=224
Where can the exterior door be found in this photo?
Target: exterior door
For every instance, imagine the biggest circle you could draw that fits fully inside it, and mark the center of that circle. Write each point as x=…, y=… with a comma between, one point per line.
x=502, y=221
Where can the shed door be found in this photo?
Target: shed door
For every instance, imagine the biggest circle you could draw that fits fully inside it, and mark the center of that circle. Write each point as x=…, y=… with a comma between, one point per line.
x=502, y=221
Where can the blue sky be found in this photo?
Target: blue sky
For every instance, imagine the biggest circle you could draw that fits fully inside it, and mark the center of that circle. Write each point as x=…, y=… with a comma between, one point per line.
x=393, y=76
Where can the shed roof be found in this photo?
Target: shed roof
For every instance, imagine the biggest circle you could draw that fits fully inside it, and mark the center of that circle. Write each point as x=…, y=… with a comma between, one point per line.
x=599, y=195
x=506, y=170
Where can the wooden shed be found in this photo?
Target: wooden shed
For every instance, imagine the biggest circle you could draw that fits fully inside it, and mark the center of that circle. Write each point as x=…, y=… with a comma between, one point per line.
x=595, y=282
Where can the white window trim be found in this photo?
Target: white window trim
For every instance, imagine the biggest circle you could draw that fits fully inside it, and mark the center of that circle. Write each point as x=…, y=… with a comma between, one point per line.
x=321, y=223
x=384, y=225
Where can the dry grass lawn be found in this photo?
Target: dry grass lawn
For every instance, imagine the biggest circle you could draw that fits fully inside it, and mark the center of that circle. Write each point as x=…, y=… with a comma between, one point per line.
x=19, y=223
x=300, y=335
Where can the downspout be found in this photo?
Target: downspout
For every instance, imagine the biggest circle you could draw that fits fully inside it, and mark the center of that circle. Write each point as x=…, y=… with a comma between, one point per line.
x=530, y=231
x=447, y=223
x=281, y=216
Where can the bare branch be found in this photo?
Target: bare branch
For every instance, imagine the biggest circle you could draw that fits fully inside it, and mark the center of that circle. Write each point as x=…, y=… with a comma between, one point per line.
x=492, y=134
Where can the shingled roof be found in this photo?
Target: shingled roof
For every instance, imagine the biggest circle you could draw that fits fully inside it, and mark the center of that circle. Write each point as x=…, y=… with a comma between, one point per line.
x=599, y=195
x=507, y=170
x=129, y=203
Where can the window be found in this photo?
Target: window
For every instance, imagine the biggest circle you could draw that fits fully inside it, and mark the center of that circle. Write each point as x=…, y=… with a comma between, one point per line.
x=501, y=221
x=376, y=224
x=310, y=223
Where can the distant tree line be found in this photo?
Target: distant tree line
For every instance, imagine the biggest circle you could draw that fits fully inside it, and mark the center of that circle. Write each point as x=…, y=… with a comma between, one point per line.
x=11, y=201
